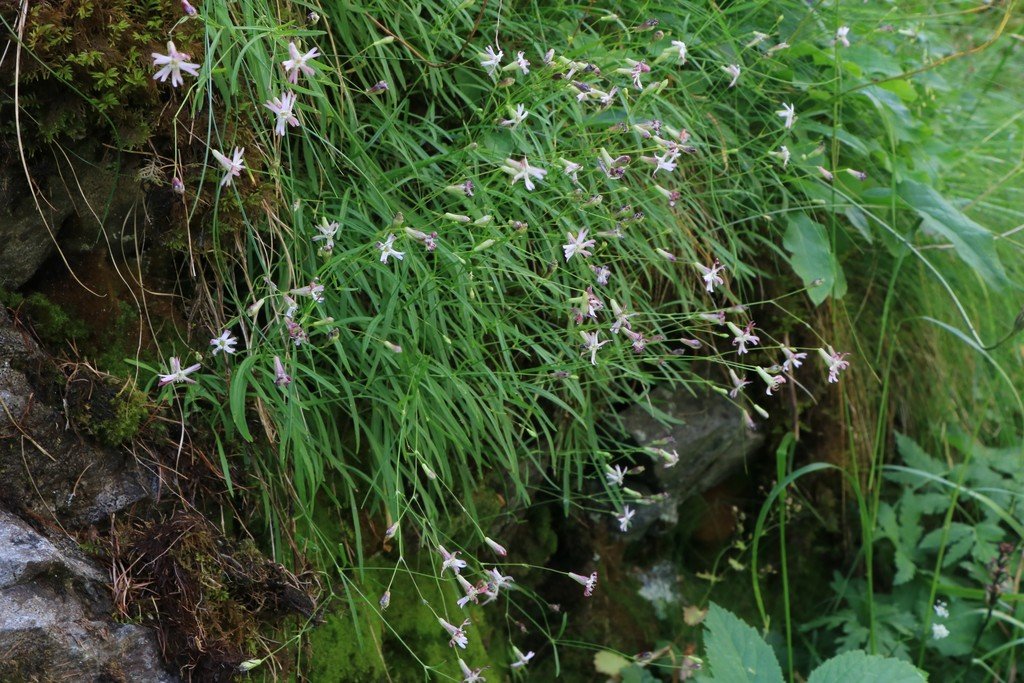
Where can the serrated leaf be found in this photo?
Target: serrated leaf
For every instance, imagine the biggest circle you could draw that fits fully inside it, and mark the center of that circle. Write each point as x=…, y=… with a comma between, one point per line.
x=914, y=456
x=735, y=652
x=812, y=258
x=859, y=667
x=973, y=243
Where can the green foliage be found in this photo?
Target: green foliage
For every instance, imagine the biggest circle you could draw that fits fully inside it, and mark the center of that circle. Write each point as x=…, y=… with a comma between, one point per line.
x=736, y=653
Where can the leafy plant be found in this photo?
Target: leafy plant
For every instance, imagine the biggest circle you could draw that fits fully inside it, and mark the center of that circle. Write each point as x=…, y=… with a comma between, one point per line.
x=736, y=653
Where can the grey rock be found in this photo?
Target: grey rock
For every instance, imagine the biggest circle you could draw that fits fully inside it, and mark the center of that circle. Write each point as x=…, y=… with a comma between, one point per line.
x=46, y=469
x=708, y=433
x=55, y=620
x=77, y=202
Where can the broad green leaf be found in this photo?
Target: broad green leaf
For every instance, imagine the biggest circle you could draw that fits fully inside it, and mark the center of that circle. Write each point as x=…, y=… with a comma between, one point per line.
x=860, y=667
x=735, y=652
x=812, y=258
x=974, y=244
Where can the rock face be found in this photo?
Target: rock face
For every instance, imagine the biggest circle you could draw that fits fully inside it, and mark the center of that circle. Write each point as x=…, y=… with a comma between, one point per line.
x=75, y=203
x=55, y=606
x=707, y=432
x=55, y=617
x=46, y=469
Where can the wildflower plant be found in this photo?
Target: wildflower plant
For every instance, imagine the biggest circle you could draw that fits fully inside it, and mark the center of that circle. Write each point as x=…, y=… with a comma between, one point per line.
x=422, y=262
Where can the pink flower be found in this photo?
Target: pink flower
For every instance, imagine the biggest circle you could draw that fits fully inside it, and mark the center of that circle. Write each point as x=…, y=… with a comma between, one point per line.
x=283, y=106
x=744, y=337
x=621, y=318
x=497, y=548
x=577, y=245
x=497, y=581
x=232, y=167
x=173, y=63
x=428, y=241
x=377, y=88
x=188, y=8
x=177, y=186
x=177, y=374
x=469, y=589
x=282, y=378
x=835, y=361
x=601, y=274
x=588, y=583
x=298, y=63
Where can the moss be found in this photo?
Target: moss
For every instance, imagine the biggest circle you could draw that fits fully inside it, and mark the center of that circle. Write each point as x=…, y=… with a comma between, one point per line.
x=363, y=646
x=51, y=323
x=104, y=408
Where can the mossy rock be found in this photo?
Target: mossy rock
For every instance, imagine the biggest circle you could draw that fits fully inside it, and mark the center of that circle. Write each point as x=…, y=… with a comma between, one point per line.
x=104, y=408
x=358, y=642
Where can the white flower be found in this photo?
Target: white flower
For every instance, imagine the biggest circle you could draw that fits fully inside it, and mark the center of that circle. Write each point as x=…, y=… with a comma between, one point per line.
x=757, y=39
x=571, y=169
x=457, y=633
x=734, y=71
x=173, y=63
x=625, y=518
x=388, y=250
x=601, y=274
x=518, y=116
x=939, y=631
x=298, y=63
x=177, y=373
x=492, y=60
x=521, y=659
x=774, y=382
x=225, y=342
x=835, y=361
x=621, y=318
x=783, y=154
x=681, y=47
x=940, y=610
x=522, y=63
x=497, y=580
x=577, y=245
x=841, y=36
x=450, y=560
x=591, y=344
x=470, y=675
x=743, y=337
x=327, y=233
x=282, y=106
x=788, y=114
x=615, y=475
x=711, y=275
x=232, y=167
x=793, y=359
x=737, y=384
x=522, y=170
x=667, y=161
x=825, y=173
